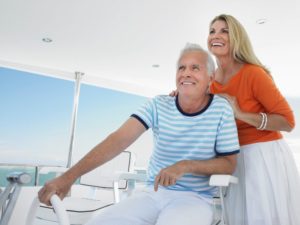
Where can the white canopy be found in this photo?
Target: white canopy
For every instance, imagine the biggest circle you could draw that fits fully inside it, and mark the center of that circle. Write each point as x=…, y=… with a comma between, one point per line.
x=133, y=45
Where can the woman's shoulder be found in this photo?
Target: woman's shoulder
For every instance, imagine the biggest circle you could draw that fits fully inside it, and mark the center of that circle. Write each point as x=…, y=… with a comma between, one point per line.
x=254, y=72
x=254, y=69
x=256, y=78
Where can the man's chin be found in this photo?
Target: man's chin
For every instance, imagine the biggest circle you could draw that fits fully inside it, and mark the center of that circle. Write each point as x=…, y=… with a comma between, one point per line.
x=185, y=92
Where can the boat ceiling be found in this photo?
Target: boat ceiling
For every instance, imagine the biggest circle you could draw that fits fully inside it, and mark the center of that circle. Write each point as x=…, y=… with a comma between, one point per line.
x=133, y=45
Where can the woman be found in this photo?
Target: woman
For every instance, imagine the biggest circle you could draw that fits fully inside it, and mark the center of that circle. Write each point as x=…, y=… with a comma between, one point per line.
x=268, y=192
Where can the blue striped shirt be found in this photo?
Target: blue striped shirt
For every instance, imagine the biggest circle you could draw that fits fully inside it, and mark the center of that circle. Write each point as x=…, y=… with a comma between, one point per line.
x=181, y=136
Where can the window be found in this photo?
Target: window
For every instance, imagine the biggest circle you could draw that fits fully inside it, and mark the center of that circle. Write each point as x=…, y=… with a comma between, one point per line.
x=100, y=112
x=35, y=120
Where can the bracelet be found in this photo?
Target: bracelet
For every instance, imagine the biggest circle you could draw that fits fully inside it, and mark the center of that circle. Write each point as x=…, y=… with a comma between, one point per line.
x=264, y=121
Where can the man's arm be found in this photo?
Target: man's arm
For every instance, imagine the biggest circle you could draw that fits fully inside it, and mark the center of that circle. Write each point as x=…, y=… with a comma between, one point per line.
x=114, y=144
x=220, y=165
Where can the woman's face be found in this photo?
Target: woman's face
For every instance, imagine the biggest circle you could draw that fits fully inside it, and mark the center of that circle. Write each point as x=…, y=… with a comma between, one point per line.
x=218, y=39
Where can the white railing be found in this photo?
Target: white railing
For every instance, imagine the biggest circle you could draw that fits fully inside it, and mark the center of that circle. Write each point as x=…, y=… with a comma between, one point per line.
x=58, y=207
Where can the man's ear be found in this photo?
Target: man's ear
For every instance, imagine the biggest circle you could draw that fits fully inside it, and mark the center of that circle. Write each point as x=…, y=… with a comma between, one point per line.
x=212, y=77
x=209, y=83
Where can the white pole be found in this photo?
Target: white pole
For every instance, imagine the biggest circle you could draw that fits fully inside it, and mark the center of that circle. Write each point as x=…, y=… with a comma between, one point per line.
x=78, y=76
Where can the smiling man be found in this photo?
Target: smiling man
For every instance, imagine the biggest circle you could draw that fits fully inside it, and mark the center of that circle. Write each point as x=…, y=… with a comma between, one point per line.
x=194, y=136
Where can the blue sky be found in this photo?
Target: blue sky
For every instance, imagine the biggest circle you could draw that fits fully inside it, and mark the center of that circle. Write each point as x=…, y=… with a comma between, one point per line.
x=35, y=116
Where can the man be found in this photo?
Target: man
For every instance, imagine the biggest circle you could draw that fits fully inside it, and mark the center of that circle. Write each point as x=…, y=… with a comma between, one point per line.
x=195, y=136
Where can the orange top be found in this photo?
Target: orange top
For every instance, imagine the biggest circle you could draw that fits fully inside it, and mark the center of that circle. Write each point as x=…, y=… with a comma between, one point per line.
x=256, y=92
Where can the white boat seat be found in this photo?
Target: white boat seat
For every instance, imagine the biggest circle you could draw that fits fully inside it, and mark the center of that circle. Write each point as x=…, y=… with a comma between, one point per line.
x=223, y=182
x=94, y=192
x=79, y=210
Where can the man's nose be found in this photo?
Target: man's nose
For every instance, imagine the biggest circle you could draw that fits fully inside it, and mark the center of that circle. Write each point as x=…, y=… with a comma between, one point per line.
x=187, y=73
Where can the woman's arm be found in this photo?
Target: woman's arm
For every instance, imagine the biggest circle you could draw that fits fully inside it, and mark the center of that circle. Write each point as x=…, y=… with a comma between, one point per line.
x=274, y=122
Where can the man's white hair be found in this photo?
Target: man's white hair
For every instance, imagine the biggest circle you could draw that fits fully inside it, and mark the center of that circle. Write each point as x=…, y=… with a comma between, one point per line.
x=191, y=47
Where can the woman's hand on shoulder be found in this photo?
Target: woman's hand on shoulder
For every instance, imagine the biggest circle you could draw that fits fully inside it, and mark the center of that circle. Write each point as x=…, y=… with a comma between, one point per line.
x=173, y=93
x=234, y=104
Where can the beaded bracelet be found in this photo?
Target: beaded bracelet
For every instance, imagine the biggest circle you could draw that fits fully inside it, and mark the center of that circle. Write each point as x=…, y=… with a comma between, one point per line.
x=264, y=121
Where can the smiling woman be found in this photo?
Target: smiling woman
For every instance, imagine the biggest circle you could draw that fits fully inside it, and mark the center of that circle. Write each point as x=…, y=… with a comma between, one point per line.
x=265, y=157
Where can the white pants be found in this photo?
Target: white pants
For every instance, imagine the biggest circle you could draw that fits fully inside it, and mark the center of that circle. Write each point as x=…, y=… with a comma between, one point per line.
x=164, y=207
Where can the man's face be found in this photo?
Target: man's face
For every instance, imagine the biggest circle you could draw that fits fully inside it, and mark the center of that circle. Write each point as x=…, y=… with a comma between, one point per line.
x=192, y=77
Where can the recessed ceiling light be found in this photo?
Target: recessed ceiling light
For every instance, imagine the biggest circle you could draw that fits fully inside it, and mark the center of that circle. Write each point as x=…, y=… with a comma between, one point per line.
x=155, y=65
x=47, y=40
x=261, y=21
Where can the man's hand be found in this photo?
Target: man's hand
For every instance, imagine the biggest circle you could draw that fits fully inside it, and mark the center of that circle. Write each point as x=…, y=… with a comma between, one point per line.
x=59, y=186
x=169, y=175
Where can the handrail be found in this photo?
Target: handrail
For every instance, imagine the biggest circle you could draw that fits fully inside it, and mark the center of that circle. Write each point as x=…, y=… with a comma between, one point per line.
x=60, y=211
x=8, y=197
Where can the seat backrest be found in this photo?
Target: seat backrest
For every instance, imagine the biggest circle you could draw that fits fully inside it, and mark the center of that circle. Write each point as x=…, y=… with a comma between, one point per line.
x=102, y=176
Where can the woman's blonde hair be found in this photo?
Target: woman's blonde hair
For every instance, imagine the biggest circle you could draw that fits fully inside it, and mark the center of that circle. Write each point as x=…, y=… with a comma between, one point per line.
x=240, y=44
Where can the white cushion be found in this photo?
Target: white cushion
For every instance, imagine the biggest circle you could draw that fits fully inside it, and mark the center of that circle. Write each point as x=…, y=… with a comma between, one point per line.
x=80, y=210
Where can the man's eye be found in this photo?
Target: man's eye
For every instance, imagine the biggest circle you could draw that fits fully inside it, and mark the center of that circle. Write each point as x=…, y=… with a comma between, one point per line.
x=196, y=68
x=181, y=68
